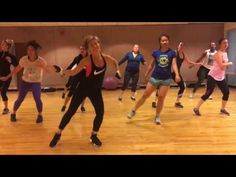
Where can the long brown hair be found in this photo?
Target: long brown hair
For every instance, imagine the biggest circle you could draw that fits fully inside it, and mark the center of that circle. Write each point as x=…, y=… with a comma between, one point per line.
x=89, y=38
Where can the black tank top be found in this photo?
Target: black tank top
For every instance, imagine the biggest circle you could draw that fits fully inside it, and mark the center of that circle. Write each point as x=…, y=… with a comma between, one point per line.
x=95, y=79
x=6, y=60
x=179, y=60
x=81, y=75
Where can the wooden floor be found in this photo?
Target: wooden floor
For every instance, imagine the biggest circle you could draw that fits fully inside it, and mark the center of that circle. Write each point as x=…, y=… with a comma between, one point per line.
x=180, y=133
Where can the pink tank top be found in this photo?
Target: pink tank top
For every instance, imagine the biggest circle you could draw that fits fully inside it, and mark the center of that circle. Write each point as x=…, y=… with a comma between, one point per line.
x=216, y=72
x=88, y=70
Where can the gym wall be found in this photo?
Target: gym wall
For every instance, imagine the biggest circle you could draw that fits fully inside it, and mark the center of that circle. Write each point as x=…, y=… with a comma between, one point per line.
x=60, y=44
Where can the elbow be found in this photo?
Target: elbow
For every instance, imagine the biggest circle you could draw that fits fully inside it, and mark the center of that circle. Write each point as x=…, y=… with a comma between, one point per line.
x=72, y=74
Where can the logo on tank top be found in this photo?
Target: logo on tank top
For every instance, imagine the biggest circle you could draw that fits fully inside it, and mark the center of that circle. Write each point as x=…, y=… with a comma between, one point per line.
x=163, y=61
x=210, y=59
x=98, y=72
x=8, y=59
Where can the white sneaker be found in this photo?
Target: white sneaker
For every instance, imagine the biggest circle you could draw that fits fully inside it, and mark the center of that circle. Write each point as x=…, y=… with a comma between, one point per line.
x=132, y=98
x=131, y=114
x=210, y=98
x=191, y=95
x=158, y=120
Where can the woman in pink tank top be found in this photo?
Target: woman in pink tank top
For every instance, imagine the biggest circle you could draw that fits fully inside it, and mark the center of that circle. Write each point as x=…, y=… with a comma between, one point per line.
x=217, y=76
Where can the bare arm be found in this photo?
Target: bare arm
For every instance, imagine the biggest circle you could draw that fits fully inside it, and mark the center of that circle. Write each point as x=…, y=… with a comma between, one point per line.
x=198, y=60
x=174, y=66
x=187, y=60
x=150, y=67
x=49, y=68
x=15, y=70
x=84, y=63
x=44, y=65
x=201, y=57
x=113, y=61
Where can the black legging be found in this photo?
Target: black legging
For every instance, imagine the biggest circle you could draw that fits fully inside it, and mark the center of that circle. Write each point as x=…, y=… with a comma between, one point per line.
x=79, y=95
x=211, y=82
x=181, y=85
x=201, y=74
x=69, y=82
x=73, y=87
x=4, y=85
x=130, y=75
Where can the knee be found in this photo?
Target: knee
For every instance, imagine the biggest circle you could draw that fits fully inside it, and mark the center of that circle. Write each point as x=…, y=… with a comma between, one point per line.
x=19, y=100
x=125, y=86
x=4, y=96
x=70, y=112
x=226, y=96
x=206, y=95
x=145, y=96
x=161, y=98
x=100, y=113
x=182, y=87
x=181, y=90
x=40, y=101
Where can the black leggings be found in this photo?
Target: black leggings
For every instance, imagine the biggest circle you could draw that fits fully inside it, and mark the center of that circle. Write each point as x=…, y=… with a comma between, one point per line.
x=69, y=82
x=201, y=74
x=181, y=85
x=79, y=95
x=73, y=87
x=130, y=75
x=211, y=83
x=4, y=85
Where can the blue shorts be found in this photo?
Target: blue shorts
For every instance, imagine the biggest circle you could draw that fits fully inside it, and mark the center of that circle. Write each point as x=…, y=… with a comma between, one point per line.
x=158, y=82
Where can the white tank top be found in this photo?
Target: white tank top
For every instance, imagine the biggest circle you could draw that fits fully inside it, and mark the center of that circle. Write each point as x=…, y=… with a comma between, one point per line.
x=208, y=61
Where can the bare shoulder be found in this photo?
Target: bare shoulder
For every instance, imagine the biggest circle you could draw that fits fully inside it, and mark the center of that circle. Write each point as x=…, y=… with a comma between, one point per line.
x=217, y=54
x=86, y=60
x=41, y=59
x=106, y=55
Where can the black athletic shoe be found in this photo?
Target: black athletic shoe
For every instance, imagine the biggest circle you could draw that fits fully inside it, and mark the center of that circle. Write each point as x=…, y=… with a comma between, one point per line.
x=63, y=95
x=132, y=98
x=197, y=112
x=63, y=108
x=120, y=98
x=5, y=111
x=178, y=105
x=82, y=109
x=13, y=117
x=94, y=140
x=55, y=140
x=223, y=111
x=39, y=119
x=154, y=104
